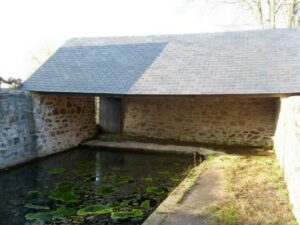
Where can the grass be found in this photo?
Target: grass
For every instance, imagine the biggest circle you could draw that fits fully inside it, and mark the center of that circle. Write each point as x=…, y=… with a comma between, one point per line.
x=256, y=193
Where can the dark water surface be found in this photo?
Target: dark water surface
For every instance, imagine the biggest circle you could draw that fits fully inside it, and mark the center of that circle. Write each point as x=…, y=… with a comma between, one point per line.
x=117, y=187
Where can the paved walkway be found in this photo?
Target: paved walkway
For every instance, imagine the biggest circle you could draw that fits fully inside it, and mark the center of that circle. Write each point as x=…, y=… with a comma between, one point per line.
x=208, y=189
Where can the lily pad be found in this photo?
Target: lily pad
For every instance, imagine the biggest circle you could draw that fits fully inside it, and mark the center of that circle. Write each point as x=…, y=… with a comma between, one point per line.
x=175, y=179
x=155, y=190
x=123, y=180
x=165, y=173
x=83, y=168
x=50, y=215
x=33, y=206
x=146, y=204
x=33, y=193
x=97, y=209
x=149, y=179
x=106, y=190
x=58, y=170
x=119, y=204
x=123, y=215
x=64, y=192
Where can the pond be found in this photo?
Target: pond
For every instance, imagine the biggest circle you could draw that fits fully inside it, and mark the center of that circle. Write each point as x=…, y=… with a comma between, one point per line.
x=90, y=186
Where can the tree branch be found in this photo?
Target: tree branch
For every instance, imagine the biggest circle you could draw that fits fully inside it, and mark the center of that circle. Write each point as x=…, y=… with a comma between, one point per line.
x=12, y=82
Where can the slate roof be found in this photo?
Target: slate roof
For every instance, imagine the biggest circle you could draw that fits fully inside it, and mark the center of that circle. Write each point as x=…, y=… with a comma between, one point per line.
x=245, y=62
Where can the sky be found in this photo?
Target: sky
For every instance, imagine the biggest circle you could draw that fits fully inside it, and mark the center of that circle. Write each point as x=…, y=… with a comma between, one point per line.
x=30, y=29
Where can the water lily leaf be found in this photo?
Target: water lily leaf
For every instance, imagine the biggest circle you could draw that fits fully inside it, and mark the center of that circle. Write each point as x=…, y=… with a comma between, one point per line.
x=155, y=190
x=58, y=170
x=33, y=193
x=64, y=192
x=120, y=204
x=123, y=180
x=165, y=173
x=33, y=206
x=106, y=190
x=96, y=209
x=145, y=204
x=50, y=215
x=122, y=215
x=149, y=179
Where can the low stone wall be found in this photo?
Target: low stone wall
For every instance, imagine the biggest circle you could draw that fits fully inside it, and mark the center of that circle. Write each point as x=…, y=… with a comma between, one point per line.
x=16, y=128
x=287, y=147
x=221, y=120
x=36, y=125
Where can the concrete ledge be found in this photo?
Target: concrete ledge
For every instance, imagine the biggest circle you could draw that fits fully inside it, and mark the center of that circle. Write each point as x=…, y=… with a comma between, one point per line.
x=132, y=145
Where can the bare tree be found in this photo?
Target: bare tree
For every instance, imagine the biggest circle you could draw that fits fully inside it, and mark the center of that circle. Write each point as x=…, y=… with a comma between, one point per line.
x=268, y=14
x=11, y=82
x=273, y=13
x=41, y=55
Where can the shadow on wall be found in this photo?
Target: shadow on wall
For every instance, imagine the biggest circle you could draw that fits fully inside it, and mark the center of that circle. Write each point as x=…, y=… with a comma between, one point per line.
x=88, y=69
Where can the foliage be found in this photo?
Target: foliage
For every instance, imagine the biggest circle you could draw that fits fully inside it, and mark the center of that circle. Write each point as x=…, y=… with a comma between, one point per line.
x=12, y=82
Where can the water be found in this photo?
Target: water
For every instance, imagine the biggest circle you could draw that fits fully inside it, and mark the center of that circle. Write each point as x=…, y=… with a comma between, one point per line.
x=67, y=182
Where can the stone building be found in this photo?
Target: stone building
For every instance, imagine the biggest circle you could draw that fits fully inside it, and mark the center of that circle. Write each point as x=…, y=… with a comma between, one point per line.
x=234, y=88
x=219, y=88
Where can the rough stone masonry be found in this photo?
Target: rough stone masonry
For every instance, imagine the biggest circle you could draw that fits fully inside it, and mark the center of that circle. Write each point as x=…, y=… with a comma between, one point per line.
x=221, y=120
x=36, y=125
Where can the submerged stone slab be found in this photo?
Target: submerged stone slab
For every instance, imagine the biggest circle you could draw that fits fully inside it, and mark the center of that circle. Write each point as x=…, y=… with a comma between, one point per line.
x=132, y=145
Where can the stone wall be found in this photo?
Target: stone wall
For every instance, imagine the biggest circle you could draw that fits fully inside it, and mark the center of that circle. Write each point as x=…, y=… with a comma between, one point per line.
x=16, y=128
x=287, y=147
x=222, y=120
x=62, y=121
x=36, y=125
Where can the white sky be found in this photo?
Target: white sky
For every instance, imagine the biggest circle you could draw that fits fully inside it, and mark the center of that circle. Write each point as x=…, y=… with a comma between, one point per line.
x=27, y=27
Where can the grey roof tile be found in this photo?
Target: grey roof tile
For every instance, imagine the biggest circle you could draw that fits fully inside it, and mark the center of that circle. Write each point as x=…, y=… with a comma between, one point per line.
x=246, y=62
